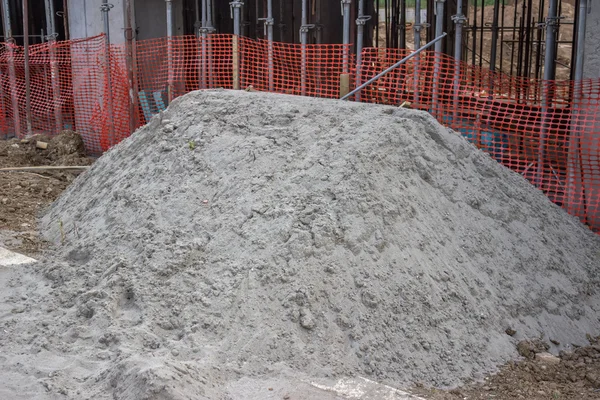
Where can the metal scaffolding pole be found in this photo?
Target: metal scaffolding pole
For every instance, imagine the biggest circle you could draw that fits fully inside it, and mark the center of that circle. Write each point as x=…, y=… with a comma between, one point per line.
x=549, y=74
x=417, y=28
x=459, y=19
x=304, y=28
x=54, y=72
x=210, y=27
x=360, y=36
x=269, y=24
x=27, y=66
x=170, y=34
x=105, y=8
x=575, y=170
x=11, y=66
x=235, y=8
x=346, y=33
x=203, y=33
x=439, y=28
x=131, y=67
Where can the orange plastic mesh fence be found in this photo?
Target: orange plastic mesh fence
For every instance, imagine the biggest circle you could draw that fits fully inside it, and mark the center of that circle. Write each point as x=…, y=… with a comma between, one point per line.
x=547, y=131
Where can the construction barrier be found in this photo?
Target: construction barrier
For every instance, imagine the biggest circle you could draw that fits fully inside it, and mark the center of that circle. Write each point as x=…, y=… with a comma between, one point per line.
x=549, y=132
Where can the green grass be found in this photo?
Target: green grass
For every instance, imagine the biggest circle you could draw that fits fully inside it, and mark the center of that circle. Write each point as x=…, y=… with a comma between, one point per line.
x=411, y=3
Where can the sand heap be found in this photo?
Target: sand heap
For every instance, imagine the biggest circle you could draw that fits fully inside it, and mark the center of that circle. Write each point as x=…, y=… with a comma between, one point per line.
x=246, y=234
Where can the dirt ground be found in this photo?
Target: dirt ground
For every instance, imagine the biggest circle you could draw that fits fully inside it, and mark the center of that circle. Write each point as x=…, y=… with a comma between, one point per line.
x=539, y=376
x=23, y=194
x=571, y=376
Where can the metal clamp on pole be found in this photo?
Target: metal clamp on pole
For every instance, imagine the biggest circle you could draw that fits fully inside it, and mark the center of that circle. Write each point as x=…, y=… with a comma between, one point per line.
x=419, y=27
x=306, y=28
x=362, y=20
x=267, y=22
x=344, y=2
x=106, y=7
x=235, y=4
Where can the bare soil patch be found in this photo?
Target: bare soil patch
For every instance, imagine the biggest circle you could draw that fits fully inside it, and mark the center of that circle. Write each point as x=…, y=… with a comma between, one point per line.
x=23, y=194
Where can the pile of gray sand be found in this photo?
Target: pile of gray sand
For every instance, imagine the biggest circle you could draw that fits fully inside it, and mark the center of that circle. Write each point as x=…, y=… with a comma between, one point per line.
x=248, y=235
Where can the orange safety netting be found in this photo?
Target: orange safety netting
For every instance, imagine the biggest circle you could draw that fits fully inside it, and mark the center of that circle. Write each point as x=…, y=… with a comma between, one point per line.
x=549, y=132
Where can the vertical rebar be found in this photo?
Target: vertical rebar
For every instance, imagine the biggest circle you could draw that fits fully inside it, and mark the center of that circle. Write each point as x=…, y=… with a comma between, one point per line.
x=346, y=33
x=574, y=164
x=549, y=73
x=361, y=20
x=27, y=66
x=459, y=19
x=8, y=37
x=54, y=71
x=281, y=25
x=105, y=8
x=170, y=34
x=439, y=28
x=417, y=28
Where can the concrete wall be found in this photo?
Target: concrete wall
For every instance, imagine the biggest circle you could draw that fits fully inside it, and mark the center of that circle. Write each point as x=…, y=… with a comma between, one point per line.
x=151, y=18
x=591, y=63
x=85, y=19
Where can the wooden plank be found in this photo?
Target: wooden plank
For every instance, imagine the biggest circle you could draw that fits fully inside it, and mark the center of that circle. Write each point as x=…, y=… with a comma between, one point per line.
x=344, y=84
x=236, y=63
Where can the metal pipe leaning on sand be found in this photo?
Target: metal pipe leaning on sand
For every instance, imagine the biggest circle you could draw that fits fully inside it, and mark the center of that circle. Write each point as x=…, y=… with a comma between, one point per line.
x=405, y=59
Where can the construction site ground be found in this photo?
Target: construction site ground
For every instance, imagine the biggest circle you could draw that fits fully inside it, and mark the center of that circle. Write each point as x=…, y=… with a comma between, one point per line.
x=25, y=194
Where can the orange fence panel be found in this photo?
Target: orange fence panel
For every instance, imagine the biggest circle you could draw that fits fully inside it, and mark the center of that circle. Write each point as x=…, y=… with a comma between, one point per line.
x=549, y=132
